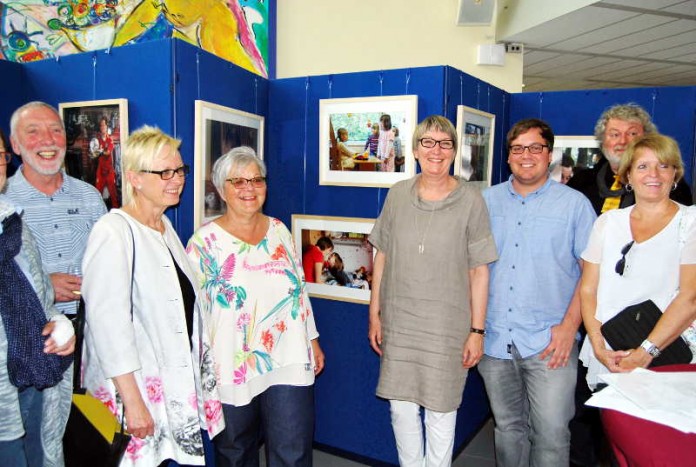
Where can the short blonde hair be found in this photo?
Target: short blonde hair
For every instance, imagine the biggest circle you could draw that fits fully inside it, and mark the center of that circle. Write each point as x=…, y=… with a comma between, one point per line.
x=665, y=148
x=144, y=145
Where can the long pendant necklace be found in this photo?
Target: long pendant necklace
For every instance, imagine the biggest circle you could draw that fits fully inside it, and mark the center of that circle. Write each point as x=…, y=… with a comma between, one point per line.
x=421, y=243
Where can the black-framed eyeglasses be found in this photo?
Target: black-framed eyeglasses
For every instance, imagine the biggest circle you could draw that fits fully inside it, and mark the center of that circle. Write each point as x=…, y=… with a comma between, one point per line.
x=168, y=174
x=536, y=148
x=431, y=143
x=5, y=157
x=240, y=182
x=621, y=263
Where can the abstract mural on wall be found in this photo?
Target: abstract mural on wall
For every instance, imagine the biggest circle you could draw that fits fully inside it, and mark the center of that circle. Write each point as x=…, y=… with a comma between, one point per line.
x=236, y=30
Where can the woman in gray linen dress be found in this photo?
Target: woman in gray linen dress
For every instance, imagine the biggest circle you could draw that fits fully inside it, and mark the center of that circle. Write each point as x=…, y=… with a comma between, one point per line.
x=430, y=287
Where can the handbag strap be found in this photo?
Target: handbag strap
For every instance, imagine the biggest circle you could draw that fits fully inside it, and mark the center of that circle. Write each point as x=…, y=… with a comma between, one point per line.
x=81, y=319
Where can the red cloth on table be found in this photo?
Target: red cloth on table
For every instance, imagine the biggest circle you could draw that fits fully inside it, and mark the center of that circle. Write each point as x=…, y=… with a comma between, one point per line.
x=641, y=443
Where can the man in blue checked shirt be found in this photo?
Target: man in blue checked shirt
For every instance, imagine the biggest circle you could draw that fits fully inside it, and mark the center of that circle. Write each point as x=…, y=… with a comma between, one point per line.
x=531, y=350
x=60, y=210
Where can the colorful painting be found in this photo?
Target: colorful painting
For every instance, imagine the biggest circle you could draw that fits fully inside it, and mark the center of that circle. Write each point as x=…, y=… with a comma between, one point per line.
x=236, y=30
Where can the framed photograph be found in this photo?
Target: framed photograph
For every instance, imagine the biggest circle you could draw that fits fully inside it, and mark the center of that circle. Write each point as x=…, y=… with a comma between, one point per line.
x=95, y=133
x=218, y=129
x=571, y=152
x=474, y=159
x=350, y=152
x=340, y=245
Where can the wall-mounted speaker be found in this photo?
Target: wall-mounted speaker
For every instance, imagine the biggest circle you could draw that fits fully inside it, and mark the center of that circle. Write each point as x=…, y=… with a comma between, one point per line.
x=475, y=12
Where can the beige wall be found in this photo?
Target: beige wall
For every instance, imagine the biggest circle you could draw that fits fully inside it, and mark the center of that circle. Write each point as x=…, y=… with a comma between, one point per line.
x=316, y=37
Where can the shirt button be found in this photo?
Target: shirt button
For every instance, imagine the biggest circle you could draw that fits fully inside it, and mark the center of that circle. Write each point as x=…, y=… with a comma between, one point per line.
x=516, y=245
x=55, y=226
x=519, y=223
x=522, y=202
x=513, y=266
x=60, y=255
x=509, y=309
x=510, y=287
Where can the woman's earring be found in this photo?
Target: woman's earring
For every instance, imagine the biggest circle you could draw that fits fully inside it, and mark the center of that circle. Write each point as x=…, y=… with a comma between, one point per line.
x=674, y=187
x=628, y=187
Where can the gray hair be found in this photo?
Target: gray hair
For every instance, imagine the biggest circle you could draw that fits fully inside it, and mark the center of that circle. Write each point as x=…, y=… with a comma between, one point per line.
x=630, y=112
x=435, y=122
x=240, y=156
x=14, y=120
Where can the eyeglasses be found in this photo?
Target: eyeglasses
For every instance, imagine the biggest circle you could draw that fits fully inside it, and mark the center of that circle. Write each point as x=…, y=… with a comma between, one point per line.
x=5, y=157
x=621, y=264
x=168, y=174
x=240, y=182
x=535, y=148
x=431, y=143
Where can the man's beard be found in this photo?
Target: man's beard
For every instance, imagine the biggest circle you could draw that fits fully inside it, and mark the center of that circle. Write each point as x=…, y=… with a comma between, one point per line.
x=34, y=161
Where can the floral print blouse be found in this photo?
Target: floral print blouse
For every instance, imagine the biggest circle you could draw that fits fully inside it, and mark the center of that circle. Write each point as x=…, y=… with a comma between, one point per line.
x=259, y=312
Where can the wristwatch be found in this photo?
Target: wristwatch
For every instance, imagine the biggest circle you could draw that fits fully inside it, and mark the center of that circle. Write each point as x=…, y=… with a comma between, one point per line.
x=650, y=348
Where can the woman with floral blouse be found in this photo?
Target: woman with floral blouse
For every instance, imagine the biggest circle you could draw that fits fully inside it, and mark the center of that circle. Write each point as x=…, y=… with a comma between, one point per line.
x=265, y=341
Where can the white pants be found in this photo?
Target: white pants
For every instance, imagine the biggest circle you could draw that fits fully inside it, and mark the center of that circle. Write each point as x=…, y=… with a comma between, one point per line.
x=408, y=431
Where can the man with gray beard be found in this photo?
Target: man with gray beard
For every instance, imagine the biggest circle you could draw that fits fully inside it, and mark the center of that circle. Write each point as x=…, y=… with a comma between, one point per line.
x=60, y=210
x=615, y=129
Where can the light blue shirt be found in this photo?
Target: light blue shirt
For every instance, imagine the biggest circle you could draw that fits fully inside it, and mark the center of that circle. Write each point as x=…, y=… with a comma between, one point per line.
x=539, y=239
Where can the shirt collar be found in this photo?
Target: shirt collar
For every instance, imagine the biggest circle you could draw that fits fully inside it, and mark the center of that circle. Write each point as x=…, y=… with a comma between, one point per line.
x=541, y=190
x=64, y=187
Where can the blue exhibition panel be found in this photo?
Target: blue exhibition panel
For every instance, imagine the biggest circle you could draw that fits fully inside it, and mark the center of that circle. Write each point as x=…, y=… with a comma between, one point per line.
x=200, y=75
x=13, y=75
x=574, y=113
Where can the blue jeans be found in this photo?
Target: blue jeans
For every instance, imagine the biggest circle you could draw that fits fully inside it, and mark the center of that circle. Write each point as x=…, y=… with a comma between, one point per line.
x=282, y=415
x=532, y=406
x=27, y=450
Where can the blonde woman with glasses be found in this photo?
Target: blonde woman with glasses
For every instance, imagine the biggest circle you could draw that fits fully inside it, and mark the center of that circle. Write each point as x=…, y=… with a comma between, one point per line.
x=147, y=354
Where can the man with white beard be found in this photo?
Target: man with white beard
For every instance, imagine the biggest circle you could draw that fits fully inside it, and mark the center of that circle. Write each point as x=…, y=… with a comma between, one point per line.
x=60, y=210
x=615, y=129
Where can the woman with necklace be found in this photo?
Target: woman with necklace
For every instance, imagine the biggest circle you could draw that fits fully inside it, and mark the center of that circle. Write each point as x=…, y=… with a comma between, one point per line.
x=147, y=355
x=265, y=340
x=428, y=303
x=643, y=252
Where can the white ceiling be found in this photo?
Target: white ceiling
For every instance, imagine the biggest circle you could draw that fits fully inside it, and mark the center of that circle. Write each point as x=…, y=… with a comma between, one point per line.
x=613, y=44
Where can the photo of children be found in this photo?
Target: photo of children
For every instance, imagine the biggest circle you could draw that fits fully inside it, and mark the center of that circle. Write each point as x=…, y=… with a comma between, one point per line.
x=368, y=139
x=359, y=144
x=342, y=259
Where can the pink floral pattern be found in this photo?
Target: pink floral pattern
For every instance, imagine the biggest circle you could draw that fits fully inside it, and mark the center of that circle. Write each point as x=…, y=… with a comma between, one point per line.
x=105, y=397
x=153, y=386
x=240, y=374
x=134, y=447
x=213, y=411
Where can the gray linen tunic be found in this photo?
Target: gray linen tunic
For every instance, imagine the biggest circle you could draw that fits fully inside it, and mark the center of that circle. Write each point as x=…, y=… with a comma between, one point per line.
x=424, y=298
